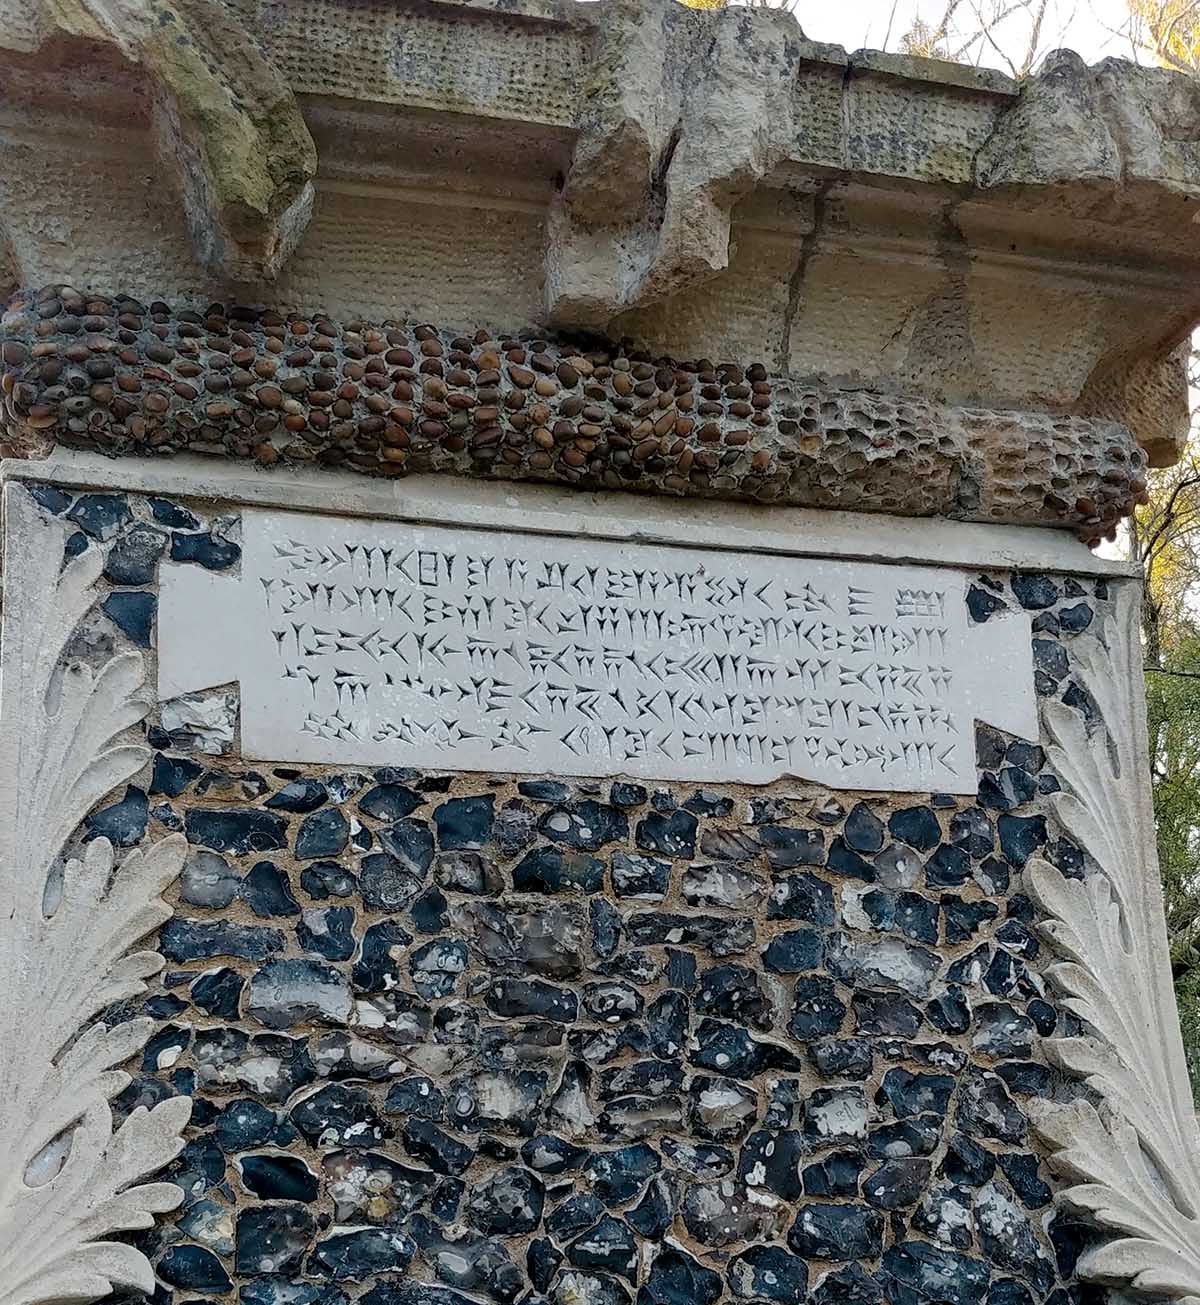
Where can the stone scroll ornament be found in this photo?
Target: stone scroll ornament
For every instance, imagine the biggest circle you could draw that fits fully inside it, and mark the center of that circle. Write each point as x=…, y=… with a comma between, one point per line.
x=69, y=1180
x=1134, y=1162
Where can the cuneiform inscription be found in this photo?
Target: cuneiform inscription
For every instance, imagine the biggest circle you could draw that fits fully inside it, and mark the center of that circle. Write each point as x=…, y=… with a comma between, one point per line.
x=488, y=650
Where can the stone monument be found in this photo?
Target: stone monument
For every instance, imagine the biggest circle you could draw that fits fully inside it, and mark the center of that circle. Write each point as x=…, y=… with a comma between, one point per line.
x=561, y=740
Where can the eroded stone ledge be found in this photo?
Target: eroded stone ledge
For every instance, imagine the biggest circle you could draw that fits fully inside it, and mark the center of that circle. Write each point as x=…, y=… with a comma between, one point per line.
x=123, y=377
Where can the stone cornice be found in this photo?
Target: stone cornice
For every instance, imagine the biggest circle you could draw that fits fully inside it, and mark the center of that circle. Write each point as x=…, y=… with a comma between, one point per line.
x=122, y=377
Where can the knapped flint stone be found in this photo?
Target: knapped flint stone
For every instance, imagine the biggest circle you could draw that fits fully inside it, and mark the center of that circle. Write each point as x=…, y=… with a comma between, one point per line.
x=410, y=843
x=100, y=515
x=389, y=802
x=467, y=872
x=585, y=825
x=506, y=1203
x=193, y=1268
x=818, y=1011
x=76, y=544
x=801, y=897
x=464, y=822
x=1011, y=787
x=437, y=966
x=338, y=1116
x=885, y=1013
x=396, y=1291
x=897, y=1184
x=236, y=830
x=721, y=885
x=919, y=1272
x=378, y=966
x=677, y=1279
x=836, y=1115
x=555, y=870
x=133, y=559
x=722, y=937
x=542, y=1261
x=965, y=919
x=986, y=1110
x=946, y=1216
x=837, y=1175
x=245, y=1123
x=730, y=1050
x=172, y=775
x=615, y=1177
x=1008, y=1239
x=552, y=1155
x=385, y=884
x=863, y=829
x=183, y=940
x=547, y=941
x=1021, y=1170
x=206, y=549
x=1020, y=837
x=322, y=834
x=124, y=823
x=359, y=1254
x=272, y=1238
x=896, y=867
x=284, y=993
x=277, y=1177
x=267, y=892
x=852, y=1285
x=733, y=992
x=917, y=917
x=300, y=796
x=981, y=603
x=1034, y=592
x=724, y=1212
x=729, y=845
x=670, y=834
x=643, y=878
x=575, y=1214
x=325, y=879
x=54, y=500
x=915, y=1094
x=1075, y=618
x=768, y=1273
x=580, y=1287
x=208, y=880
x=1002, y=1031
x=608, y=1246
x=837, y=1232
x=1006, y=1291
x=772, y=1159
x=721, y=1109
x=435, y=1148
x=328, y=932
x=218, y=993
x=791, y=952
x=844, y=860
x=916, y=826
x=367, y=1187
x=612, y=1002
x=419, y=1097
x=428, y=911
x=553, y=790
x=842, y=1057
x=516, y=997
x=278, y=1291
x=948, y=867
x=787, y=848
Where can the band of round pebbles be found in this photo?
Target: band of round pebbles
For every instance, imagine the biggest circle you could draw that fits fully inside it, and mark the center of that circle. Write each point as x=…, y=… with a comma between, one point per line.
x=110, y=373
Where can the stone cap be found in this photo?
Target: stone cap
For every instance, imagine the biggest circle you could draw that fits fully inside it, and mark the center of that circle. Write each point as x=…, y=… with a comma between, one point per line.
x=697, y=182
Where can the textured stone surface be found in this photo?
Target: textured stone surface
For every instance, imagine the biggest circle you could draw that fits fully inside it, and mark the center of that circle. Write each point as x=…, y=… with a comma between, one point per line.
x=122, y=376
x=496, y=1088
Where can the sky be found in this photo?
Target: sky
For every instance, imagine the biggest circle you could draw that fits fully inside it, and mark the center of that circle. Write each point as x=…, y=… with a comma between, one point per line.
x=1095, y=28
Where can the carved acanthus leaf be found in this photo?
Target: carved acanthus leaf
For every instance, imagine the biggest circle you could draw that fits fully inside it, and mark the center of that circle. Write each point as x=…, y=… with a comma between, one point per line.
x=69, y=1181
x=1135, y=1163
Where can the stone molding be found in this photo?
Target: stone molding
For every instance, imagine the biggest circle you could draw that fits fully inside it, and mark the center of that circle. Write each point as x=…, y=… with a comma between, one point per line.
x=694, y=180
x=1133, y=1159
x=117, y=375
x=555, y=511
x=67, y=926
x=225, y=124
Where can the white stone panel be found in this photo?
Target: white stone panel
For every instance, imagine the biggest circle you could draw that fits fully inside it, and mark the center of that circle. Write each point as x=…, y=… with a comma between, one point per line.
x=383, y=643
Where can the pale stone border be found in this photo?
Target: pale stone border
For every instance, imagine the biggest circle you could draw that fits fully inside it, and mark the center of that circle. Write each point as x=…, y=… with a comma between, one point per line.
x=68, y=927
x=549, y=510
